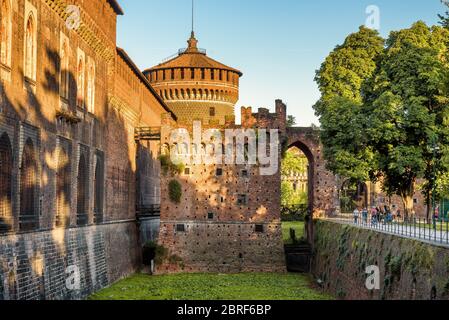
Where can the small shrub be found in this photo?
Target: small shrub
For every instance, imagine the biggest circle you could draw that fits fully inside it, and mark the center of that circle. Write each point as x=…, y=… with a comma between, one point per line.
x=161, y=255
x=168, y=166
x=175, y=191
x=148, y=253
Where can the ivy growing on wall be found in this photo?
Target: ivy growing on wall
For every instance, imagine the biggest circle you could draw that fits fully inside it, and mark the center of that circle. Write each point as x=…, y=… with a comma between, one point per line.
x=175, y=191
x=168, y=166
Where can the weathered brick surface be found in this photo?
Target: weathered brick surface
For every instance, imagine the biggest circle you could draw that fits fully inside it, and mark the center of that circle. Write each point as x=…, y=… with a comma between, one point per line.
x=409, y=269
x=220, y=233
x=34, y=265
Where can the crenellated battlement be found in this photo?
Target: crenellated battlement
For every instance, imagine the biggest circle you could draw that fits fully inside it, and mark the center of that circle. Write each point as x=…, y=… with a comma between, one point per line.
x=264, y=119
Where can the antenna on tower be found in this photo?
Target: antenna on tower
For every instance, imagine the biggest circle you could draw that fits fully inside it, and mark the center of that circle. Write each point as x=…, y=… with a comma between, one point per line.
x=193, y=17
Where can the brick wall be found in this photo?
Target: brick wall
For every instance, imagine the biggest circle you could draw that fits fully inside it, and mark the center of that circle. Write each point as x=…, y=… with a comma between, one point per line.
x=39, y=265
x=105, y=246
x=209, y=230
x=409, y=269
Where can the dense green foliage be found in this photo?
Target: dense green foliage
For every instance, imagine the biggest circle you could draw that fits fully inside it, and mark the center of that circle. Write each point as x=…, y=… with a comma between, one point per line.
x=256, y=286
x=168, y=166
x=340, y=81
x=175, y=191
x=290, y=197
x=293, y=163
x=444, y=19
x=384, y=110
x=291, y=121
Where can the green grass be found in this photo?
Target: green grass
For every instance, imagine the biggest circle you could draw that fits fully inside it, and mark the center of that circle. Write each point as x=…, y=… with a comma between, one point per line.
x=286, y=226
x=245, y=286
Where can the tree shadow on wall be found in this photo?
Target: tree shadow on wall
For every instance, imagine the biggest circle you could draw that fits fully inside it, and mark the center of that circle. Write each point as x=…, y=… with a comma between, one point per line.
x=36, y=107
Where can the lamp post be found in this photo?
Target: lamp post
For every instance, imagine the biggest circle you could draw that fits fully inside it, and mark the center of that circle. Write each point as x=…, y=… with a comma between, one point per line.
x=435, y=149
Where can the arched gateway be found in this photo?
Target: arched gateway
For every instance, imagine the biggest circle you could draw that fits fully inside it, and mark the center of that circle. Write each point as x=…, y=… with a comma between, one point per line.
x=323, y=185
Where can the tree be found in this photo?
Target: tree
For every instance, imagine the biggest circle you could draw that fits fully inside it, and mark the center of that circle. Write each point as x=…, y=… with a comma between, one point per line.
x=343, y=126
x=291, y=121
x=444, y=19
x=406, y=103
x=347, y=67
x=294, y=162
x=379, y=126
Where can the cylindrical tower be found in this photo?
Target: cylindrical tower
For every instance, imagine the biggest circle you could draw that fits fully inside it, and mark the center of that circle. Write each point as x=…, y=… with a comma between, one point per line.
x=195, y=86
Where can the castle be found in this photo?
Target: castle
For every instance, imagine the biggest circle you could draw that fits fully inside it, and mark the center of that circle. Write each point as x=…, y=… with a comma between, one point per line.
x=81, y=134
x=228, y=217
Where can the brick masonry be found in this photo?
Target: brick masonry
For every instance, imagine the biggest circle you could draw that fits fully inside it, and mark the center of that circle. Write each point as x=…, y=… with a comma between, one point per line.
x=409, y=269
x=106, y=245
x=219, y=234
x=39, y=265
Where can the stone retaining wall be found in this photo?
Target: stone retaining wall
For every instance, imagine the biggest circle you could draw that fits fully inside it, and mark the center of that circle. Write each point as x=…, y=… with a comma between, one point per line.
x=409, y=269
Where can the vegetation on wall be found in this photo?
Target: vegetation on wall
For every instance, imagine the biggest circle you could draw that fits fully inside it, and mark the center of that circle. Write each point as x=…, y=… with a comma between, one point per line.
x=409, y=269
x=175, y=191
x=167, y=166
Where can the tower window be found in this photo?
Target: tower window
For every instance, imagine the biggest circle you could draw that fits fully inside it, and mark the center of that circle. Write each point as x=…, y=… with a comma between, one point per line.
x=212, y=112
x=91, y=86
x=212, y=74
x=192, y=73
x=6, y=32
x=210, y=216
x=245, y=173
x=6, y=161
x=82, y=188
x=80, y=80
x=180, y=228
x=173, y=74
x=260, y=228
x=30, y=48
x=219, y=172
x=99, y=187
x=28, y=189
x=63, y=183
x=203, y=74
x=182, y=74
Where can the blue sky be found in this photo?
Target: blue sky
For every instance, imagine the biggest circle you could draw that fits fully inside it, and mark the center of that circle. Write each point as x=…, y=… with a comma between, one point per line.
x=277, y=44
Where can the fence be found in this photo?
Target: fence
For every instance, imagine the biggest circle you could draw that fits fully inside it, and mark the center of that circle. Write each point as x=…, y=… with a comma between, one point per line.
x=433, y=230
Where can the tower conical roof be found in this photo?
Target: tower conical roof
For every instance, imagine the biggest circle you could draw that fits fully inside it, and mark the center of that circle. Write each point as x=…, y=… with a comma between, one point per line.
x=192, y=57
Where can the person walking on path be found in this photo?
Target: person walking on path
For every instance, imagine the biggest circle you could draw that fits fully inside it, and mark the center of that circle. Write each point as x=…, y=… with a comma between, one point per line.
x=365, y=215
x=356, y=214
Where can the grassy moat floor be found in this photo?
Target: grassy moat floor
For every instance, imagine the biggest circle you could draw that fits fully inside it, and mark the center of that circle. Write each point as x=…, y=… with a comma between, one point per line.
x=245, y=286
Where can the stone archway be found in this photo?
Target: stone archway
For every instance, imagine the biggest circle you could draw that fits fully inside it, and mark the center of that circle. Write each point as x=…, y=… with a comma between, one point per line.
x=323, y=195
x=323, y=184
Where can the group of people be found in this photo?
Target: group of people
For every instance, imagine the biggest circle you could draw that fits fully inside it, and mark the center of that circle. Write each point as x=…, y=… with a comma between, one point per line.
x=377, y=214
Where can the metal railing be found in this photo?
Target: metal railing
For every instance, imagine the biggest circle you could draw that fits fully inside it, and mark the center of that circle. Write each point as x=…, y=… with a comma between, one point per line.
x=184, y=50
x=153, y=210
x=148, y=133
x=433, y=230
